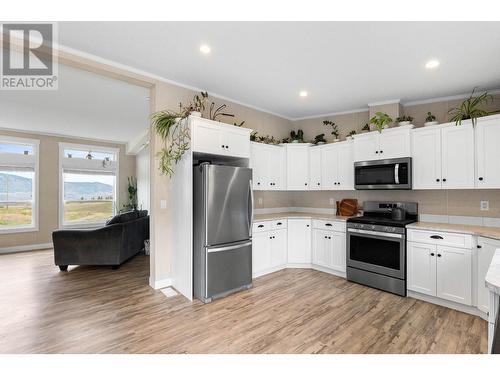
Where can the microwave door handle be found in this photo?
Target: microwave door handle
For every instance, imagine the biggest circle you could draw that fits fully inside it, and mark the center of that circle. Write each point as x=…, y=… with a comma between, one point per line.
x=396, y=173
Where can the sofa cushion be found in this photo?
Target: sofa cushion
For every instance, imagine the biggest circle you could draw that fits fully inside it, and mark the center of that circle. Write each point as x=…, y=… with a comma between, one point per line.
x=114, y=220
x=143, y=213
x=129, y=216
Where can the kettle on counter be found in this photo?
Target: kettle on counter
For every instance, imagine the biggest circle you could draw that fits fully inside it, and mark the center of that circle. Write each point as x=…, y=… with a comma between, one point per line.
x=398, y=213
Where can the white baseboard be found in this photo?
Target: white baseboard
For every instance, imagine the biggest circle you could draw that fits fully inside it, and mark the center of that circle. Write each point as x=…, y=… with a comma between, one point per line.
x=18, y=249
x=328, y=270
x=449, y=304
x=160, y=284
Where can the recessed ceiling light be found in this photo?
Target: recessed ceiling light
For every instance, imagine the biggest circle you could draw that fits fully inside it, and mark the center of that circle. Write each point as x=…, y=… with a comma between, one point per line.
x=303, y=94
x=204, y=48
x=431, y=64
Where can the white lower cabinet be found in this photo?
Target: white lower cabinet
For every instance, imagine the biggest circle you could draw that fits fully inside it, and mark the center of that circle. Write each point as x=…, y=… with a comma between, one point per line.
x=485, y=252
x=328, y=249
x=269, y=251
x=299, y=241
x=440, y=271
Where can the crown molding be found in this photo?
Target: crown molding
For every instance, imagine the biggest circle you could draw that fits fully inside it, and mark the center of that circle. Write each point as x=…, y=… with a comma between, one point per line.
x=446, y=98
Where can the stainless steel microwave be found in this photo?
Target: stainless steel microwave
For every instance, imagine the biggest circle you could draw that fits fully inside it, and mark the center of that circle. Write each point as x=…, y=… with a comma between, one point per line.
x=385, y=174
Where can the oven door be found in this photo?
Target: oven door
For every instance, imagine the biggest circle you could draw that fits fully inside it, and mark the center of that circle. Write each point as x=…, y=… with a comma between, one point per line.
x=383, y=174
x=382, y=253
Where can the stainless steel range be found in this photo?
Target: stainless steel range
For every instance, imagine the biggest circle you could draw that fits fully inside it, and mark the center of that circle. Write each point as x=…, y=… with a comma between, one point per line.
x=376, y=245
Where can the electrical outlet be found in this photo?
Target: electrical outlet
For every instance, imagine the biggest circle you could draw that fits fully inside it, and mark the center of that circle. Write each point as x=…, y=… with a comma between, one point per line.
x=332, y=201
x=484, y=205
x=260, y=201
x=163, y=204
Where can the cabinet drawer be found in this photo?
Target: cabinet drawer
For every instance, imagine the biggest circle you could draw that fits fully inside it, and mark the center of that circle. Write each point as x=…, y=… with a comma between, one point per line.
x=263, y=226
x=337, y=226
x=440, y=238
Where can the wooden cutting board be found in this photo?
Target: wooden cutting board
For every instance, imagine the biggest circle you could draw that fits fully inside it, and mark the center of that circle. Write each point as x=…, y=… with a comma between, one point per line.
x=347, y=207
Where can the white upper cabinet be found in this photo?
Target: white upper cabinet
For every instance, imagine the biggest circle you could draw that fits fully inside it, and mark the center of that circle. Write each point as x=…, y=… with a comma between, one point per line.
x=345, y=166
x=426, y=146
x=488, y=152
x=391, y=143
x=211, y=137
x=297, y=166
x=329, y=167
x=315, y=168
x=268, y=163
x=457, y=157
x=443, y=157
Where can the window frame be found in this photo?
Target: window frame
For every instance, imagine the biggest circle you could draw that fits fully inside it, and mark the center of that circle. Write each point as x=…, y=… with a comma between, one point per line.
x=34, y=226
x=85, y=147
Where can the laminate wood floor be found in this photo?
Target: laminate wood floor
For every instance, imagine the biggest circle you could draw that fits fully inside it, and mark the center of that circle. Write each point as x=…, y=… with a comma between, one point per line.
x=98, y=310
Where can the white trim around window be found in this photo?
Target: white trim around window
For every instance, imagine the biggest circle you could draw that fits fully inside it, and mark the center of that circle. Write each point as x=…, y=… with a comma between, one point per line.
x=82, y=166
x=32, y=161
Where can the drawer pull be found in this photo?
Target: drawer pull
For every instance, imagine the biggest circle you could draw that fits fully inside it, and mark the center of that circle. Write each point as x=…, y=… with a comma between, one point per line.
x=436, y=237
x=328, y=224
x=261, y=226
x=279, y=223
x=479, y=246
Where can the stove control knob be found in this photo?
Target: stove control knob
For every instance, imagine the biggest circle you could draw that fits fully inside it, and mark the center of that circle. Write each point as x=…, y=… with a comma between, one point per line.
x=373, y=226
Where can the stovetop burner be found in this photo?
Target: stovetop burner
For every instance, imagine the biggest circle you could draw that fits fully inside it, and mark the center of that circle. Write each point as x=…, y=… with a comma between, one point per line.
x=380, y=213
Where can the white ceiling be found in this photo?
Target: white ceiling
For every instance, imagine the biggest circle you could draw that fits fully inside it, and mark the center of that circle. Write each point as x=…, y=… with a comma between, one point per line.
x=85, y=105
x=343, y=65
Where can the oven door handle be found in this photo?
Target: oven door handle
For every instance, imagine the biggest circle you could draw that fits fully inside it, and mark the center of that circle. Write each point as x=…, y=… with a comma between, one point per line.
x=373, y=233
x=396, y=173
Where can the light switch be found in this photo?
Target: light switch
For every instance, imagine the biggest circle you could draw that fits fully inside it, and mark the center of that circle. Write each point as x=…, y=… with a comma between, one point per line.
x=260, y=201
x=485, y=205
x=163, y=204
x=332, y=201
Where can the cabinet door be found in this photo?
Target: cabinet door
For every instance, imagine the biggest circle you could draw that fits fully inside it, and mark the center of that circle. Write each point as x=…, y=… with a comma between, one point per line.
x=458, y=157
x=321, y=255
x=236, y=143
x=329, y=167
x=261, y=253
x=299, y=241
x=485, y=254
x=297, y=167
x=421, y=267
x=394, y=143
x=276, y=168
x=488, y=154
x=279, y=248
x=426, y=153
x=345, y=167
x=207, y=138
x=337, y=248
x=366, y=147
x=258, y=162
x=454, y=274
x=314, y=168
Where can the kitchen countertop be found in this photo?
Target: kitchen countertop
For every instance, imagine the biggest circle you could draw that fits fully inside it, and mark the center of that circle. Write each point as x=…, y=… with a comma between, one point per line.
x=476, y=230
x=299, y=215
x=493, y=275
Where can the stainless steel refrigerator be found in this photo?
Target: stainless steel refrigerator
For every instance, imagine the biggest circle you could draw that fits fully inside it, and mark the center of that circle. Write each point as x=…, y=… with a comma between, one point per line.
x=222, y=243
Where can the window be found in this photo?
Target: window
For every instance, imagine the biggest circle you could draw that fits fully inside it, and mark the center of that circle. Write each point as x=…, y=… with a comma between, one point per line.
x=18, y=184
x=88, y=184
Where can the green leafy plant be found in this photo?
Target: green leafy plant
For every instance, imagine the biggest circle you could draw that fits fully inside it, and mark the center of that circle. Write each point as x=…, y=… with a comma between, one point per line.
x=366, y=127
x=297, y=136
x=219, y=111
x=335, y=129
x=470, y=108
x=173, y=129
x=253, y=136
x=404, y=118
x=353, y=132
x=380, y=120
x=199, y=101
x=286, y=140
x=239, y=125
x=430, y=117
x=319, y=138
x=132, y=193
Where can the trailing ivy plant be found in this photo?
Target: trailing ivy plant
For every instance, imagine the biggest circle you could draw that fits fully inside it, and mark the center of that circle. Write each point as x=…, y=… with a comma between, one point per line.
x=380, y=120
x=470, y=108
x=173, y=129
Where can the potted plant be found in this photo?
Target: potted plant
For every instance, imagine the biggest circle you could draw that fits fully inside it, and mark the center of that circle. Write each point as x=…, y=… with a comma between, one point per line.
x=365, y=128
x=219, y=111
x=351, y=134
x=381, y=120
x=335, y=130
x=253, y=136
x=297, y=137
x=430, y=119
x=198, y=104
x=319, y=139
x=404, y=120
x=470, y=108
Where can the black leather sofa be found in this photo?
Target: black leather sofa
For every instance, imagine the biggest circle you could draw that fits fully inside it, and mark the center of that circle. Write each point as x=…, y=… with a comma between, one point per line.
x=120, y=239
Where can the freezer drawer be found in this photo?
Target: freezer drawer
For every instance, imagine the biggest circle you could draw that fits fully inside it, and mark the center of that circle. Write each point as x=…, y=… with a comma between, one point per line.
x=229, y=268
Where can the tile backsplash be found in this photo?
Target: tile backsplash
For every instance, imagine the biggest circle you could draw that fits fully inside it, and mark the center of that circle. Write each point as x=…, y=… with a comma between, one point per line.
x=432, y=202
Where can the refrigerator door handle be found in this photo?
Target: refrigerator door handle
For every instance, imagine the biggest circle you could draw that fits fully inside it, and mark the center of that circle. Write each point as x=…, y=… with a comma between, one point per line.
x=229, y=247
x=250, y=210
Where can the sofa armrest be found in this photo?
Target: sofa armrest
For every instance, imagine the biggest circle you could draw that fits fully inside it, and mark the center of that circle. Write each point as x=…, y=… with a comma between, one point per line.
x=88, y=247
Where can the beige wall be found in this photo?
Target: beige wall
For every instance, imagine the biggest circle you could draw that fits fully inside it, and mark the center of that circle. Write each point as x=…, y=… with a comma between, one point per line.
x=49, y=186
